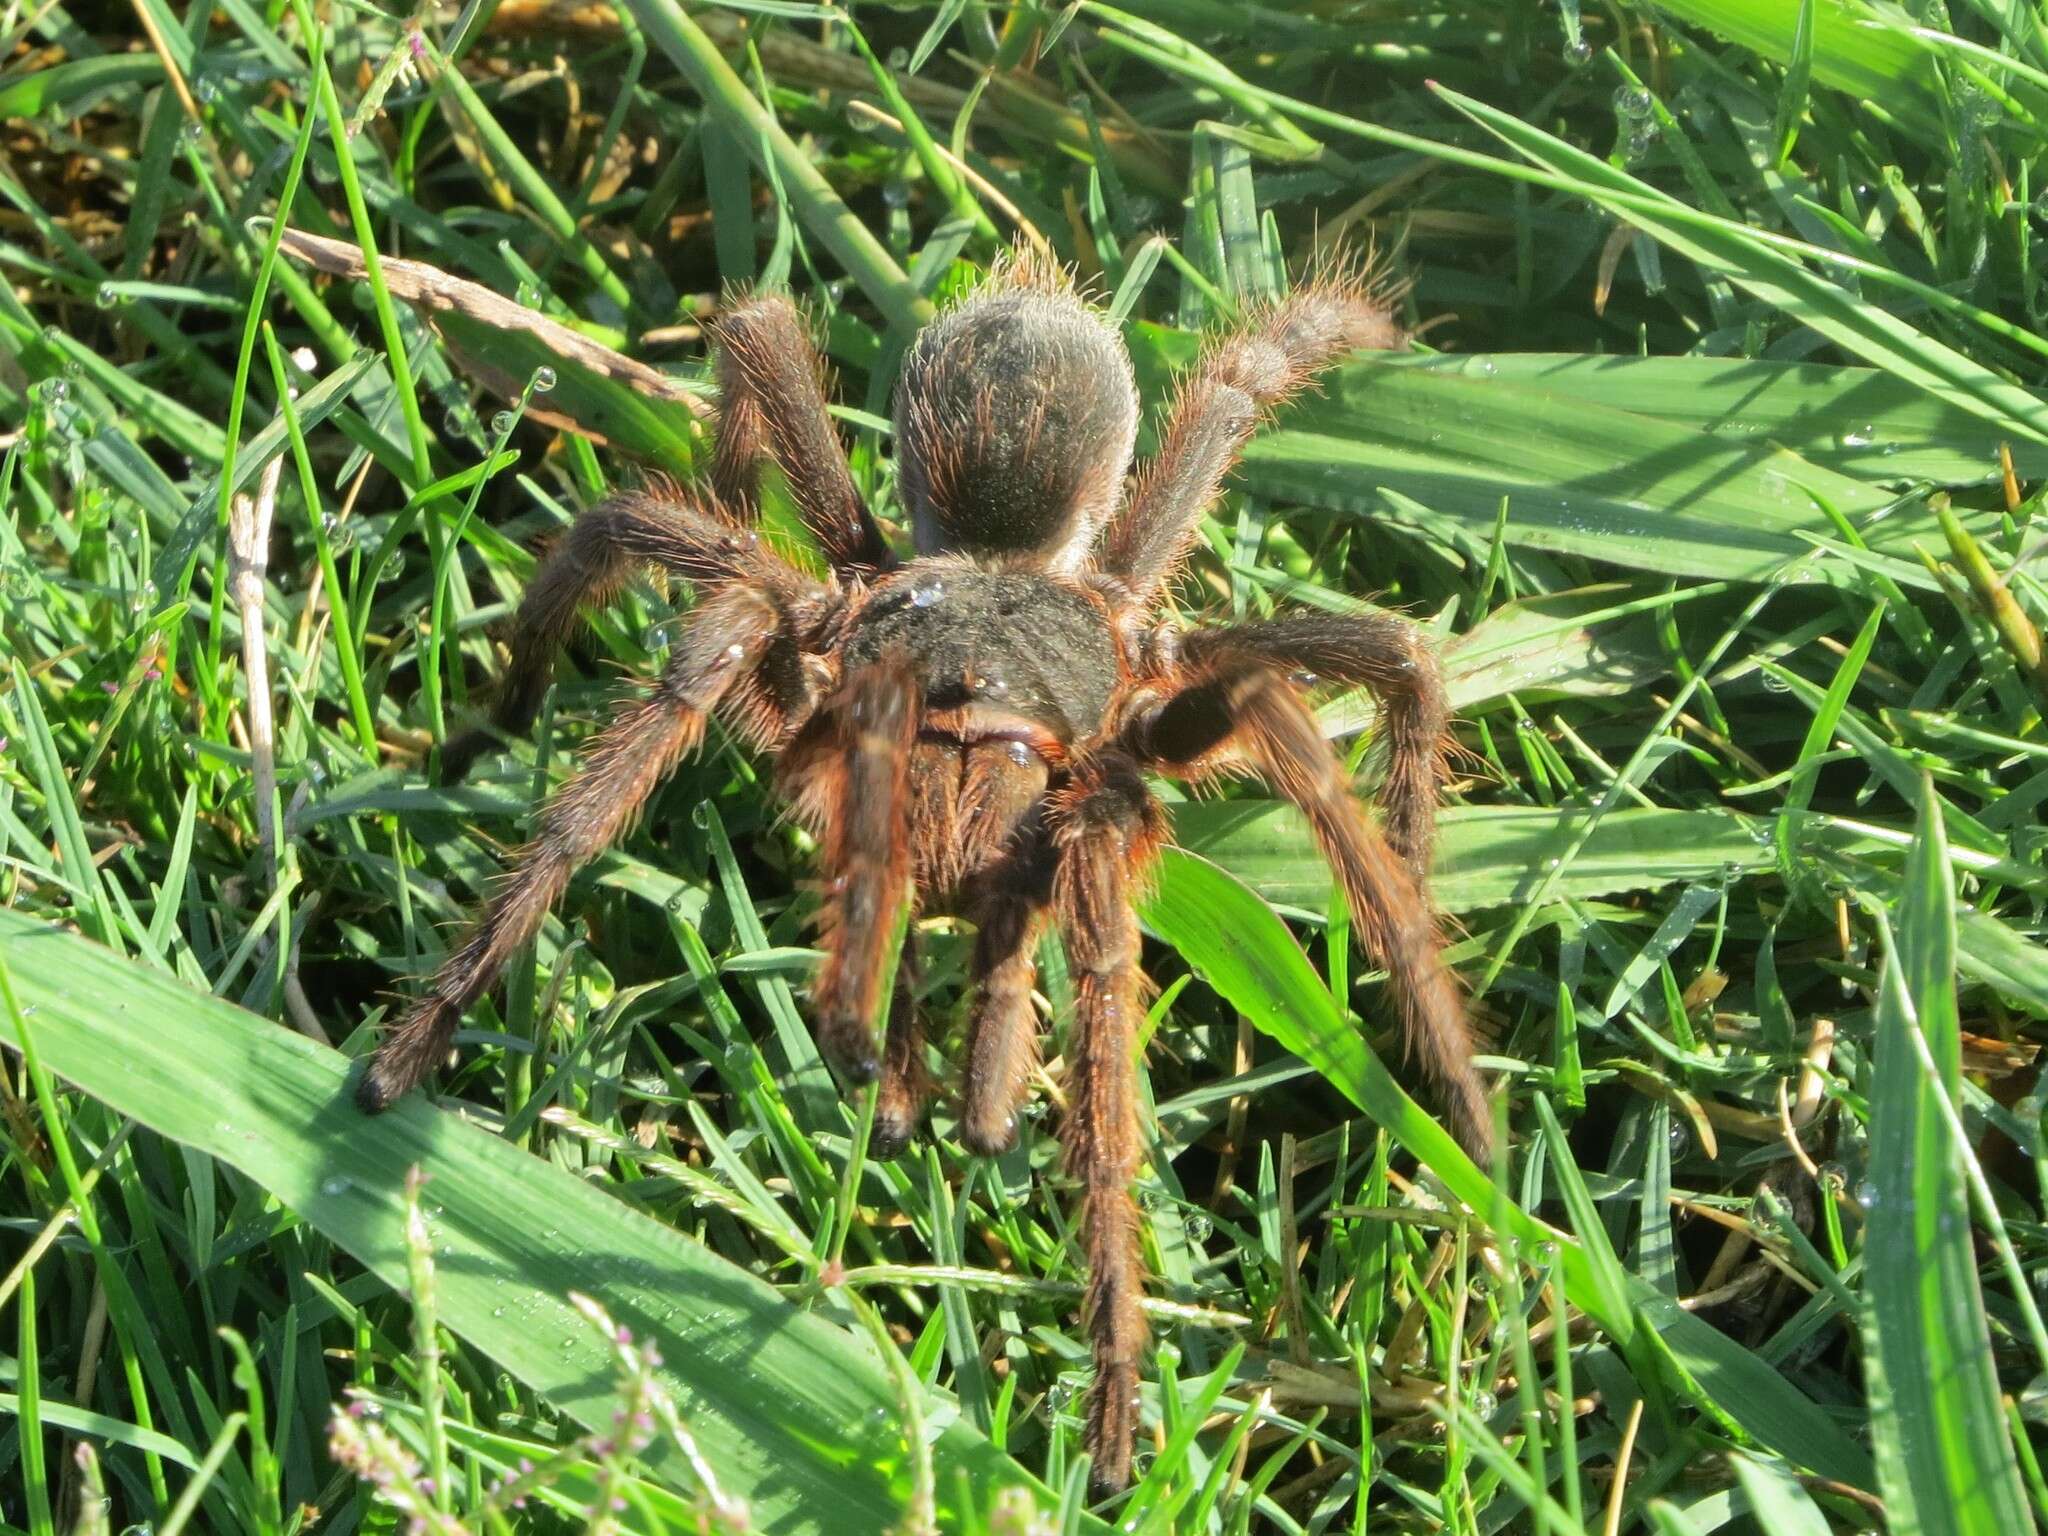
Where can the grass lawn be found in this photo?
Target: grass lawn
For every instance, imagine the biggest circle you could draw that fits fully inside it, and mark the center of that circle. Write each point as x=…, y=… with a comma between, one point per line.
x=1715, y=467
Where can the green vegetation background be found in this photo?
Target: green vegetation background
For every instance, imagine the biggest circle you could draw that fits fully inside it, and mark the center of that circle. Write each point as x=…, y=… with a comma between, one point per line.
x=1715, y=468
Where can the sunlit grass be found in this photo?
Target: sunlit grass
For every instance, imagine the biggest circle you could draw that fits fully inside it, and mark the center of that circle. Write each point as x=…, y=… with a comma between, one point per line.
x=1715, y=469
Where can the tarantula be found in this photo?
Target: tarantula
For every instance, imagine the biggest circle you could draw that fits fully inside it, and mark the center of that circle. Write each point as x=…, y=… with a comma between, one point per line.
x=969, y=730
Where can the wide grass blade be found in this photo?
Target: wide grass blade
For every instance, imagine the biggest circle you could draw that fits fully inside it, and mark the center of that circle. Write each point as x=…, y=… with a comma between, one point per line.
x=1488, y=855
x=1580, y=478
x=1884, y=67
x=795, y=1415
x=1860, y=328
x=1944, y=1458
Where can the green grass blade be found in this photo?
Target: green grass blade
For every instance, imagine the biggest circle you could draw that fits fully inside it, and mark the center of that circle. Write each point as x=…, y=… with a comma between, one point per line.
x=795, y=1415
x=770, y=147
x=1882, y=66
x=1242, y=949
x=1944, y=1458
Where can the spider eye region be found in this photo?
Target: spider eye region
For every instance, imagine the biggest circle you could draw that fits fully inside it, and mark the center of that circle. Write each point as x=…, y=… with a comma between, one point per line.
x=993, y=650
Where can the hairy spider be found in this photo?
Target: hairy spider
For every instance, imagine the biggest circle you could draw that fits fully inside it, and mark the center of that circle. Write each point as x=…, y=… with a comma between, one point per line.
x=969, y=730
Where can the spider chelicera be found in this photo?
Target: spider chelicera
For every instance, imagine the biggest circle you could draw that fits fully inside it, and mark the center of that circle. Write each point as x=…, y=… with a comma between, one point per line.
x=969, y=730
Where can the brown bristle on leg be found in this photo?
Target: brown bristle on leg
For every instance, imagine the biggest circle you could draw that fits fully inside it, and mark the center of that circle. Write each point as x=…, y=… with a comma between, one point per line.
x=1394, y=659
x=906, y=1086
x=663, y=527
x=585, y=817
x=1106, y=828
x=857, y=775
x=1242, y=376
x=1244, y=711
x=773, y=382
x=1002, y=1031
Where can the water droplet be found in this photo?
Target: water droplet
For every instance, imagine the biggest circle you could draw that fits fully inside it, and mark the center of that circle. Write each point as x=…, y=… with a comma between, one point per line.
x=1019, y=753
x=1303, y=679
x=335, y=1186
x=896, y=194
x=1577, y=52
x=543, y=379
x=1200, y=1227
x=991, y=687
x=899, y=58
x=191, y=133
x=55, y=391
x=1679, y=1139
x=1632, y=101
x=1773, y=683
x=1866, y=1195
x=1484, y=1403
x=205, y=90
x=927, y=591
x=503, y=423
x=107, y=296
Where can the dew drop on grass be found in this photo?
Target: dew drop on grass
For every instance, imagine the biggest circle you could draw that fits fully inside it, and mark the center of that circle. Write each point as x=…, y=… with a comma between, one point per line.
x=927, y=592
x=543, y=379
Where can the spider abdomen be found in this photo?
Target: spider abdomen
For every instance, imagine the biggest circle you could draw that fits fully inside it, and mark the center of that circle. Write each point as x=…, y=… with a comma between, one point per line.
x=1015, y=420
x=995, y=653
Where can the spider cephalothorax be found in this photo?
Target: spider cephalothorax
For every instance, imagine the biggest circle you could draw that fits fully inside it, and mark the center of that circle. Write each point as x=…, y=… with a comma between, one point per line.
x=969, y=730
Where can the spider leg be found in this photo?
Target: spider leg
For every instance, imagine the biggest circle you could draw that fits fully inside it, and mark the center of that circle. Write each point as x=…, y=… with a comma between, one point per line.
x=1394, y=660
x=772, y=386
x=1245, y=709
x=1002, y=1031
x=1106, y=827
x=1242, y=376
x=602, y=548
x=583, y=818
x=906, y=1078
x=850, y=773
